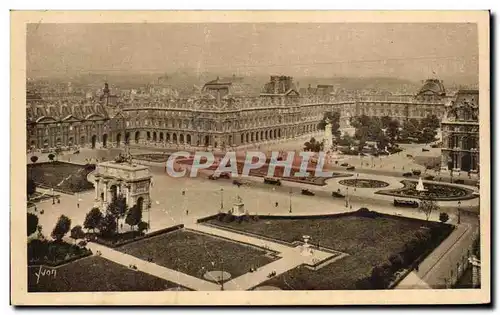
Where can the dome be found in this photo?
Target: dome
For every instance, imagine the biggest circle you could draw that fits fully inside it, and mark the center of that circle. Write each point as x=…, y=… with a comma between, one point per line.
x=433, y=86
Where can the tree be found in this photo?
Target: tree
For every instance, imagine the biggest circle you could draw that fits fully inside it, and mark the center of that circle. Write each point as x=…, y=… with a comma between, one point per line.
x=427, y=207
x=34, y=158
x=313, y=145
x=134, y=216
x=30, y=187
x=108, y=225
x=334, y=118
x=93, y=219
x=51, y=157
x=118, y=208
x=32, y=223
x=57, y=152
x=393, y=130
x=361, y=135
x=428, y=135
x=444, y=217
x=385, y=121
x=62, y=227
x=77, y=232
x=431, y=121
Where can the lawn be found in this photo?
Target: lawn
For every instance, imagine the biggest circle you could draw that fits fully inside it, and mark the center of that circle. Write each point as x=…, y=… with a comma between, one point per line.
x=65, y=177
x=368, y=241
x=192, y=253
x=93, y=274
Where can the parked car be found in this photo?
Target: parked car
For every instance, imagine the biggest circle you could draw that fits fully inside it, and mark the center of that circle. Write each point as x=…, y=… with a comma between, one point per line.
x=76, y=152
x=434, y=146
x=416, y=172
x=409, y=156
x=408, y=174
x=225, y=175
x=336, y=194
x=429, y=177
x=344, y=164
x=425, y=150
x=307, y=192
x=405, y=203
x=350, y=168
x=272, y=181
x=237, y=182
x=82, y=243
x=213, y=177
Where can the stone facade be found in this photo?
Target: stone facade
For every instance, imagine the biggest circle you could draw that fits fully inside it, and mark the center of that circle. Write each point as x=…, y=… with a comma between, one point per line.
x=127, y=179
x=460, y=133
x=219, y=117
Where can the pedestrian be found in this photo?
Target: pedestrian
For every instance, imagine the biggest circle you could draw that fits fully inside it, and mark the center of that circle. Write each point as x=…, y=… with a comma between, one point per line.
x=276, y=204
x=78, y=205
x=36, y=209
x=121, y=226
x=187, y=212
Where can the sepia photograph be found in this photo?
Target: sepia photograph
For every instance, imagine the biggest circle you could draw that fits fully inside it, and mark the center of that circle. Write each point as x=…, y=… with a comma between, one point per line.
x=323, y=157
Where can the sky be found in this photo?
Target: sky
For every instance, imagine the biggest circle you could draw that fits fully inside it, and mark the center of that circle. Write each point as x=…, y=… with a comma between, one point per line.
x=411, y=51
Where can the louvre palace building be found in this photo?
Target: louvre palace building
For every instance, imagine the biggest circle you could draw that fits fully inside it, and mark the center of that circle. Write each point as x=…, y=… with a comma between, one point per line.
x=219, y=116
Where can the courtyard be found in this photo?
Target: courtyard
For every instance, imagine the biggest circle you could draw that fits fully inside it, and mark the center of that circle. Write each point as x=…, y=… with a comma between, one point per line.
x=93, y=274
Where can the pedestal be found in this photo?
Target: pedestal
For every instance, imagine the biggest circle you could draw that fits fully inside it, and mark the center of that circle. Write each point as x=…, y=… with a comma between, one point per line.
x=239, y=209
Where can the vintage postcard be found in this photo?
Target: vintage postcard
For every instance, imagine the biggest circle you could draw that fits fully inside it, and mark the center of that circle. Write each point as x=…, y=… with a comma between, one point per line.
x=250, y=158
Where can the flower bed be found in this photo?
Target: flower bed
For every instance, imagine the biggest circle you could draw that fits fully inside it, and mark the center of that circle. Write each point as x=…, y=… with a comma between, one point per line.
x=152, y=157
x=363, y=183
x=433, y=191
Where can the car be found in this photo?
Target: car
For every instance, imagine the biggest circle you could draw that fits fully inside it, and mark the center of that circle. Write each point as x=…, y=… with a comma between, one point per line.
x=429, y=177
x=272, y=181
x=351, y=168
x=82, y=243
x=409, y=156
x=225, y=175
x=408, y=174
x=344, y=164
x=434, y=146
x=416, y=172
x=307, y=192
x=213, y=177
x=237, y=182
x=76, y=152
x=425, y=150
x=405, y=203
x=336, y=194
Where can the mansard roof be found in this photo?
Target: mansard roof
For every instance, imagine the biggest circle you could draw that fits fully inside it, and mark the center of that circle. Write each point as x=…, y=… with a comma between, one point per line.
x=65, y=111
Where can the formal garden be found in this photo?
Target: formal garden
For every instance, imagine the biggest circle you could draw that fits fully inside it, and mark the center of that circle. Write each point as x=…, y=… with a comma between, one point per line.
x=152, y=157
x=93, y=274
x=61, y=176
x=363, y=183
x=197, y=254
x=381, y=248
x=433, y=191
x=385, y=131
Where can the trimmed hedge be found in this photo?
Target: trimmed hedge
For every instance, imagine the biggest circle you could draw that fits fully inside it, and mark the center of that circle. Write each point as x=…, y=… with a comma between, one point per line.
x=117, y=243
x=53, y=254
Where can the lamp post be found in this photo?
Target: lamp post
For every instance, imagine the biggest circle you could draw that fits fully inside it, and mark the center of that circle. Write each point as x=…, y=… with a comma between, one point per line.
x=356, y=181
x=52, y=193
x=290, y=201
x=149, y=215
x=346, y=197
x=458, y=214
x=222, y=198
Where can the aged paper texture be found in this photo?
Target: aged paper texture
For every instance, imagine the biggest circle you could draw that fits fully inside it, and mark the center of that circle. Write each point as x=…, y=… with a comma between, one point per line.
x=250, y=158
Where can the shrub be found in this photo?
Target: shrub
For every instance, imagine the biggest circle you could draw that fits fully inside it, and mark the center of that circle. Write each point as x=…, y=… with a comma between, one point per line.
x=142, y=226
x=365, y=213
x=397, y=262
x=444, y=217
x=107, y=226
x=228, y=218
x=32, y=223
